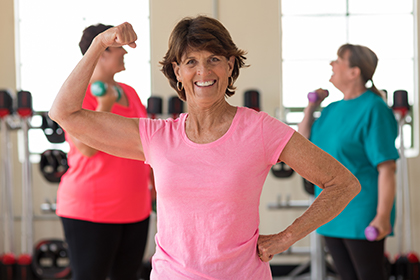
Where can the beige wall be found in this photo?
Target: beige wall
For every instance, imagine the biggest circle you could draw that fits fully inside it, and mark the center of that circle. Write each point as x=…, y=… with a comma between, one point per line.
x=254, y=26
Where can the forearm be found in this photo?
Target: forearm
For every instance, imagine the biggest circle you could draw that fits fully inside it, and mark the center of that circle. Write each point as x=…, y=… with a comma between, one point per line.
x=331, y=201
x=386, y=190
x=339, y=188
x=69, y=99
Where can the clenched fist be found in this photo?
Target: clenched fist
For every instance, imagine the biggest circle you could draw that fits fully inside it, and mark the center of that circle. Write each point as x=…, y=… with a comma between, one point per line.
x=118, y=36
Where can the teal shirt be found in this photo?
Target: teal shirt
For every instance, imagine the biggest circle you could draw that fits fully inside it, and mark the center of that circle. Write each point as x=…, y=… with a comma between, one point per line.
x=360, y=133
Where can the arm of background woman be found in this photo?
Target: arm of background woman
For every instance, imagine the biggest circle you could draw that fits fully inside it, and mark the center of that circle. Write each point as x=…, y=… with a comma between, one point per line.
x=104, y=131
x=386, y=196
x=339, y=188
x=305, y=126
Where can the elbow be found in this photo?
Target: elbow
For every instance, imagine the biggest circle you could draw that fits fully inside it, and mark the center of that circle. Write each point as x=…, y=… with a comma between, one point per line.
x=355, y=187
x=54, y=115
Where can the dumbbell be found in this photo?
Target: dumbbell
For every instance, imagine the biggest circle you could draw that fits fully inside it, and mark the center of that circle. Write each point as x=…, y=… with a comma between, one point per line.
x=371, y=233
x=401, y=105
x=314, y=96
x=282, y=170
x=252, y=99
x=6, y=103
x=99, y=88
x=154, y=106
x=175, y=106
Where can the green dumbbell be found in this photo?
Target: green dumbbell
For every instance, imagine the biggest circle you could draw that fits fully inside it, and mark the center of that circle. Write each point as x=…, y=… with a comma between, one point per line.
x=99, y=88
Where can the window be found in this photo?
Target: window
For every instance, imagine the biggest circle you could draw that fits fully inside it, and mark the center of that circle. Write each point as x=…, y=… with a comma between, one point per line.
x=48, y=34
x=312, y=31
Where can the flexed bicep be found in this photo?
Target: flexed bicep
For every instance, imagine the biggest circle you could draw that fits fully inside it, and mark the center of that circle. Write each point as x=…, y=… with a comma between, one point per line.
x=108, y=132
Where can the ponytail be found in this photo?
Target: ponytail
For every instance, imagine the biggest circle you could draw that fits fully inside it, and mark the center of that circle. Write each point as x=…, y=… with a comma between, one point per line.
x=376, y=91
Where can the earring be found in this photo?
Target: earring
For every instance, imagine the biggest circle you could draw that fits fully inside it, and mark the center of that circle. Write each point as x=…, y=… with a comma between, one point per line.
x=177, y=86
x=230, y=81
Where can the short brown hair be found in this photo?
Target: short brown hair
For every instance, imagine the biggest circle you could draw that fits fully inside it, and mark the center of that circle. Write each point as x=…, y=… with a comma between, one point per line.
x=201, y=33
x=89, y=34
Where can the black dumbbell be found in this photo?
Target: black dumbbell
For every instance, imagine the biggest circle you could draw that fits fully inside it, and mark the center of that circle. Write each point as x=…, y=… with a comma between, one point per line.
x=154, y=106
x=401, y=102
x=252, y=99
x=282, y=170
x=24, y=107
x=6, y=103
x=175, y=106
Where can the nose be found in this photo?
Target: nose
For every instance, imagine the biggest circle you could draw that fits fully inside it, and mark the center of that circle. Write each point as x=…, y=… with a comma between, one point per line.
x=203, y=69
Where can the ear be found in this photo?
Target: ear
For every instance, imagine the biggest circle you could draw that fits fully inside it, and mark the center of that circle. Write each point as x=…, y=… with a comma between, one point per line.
x=231, y=64
x=355, y=72
x=175, y=67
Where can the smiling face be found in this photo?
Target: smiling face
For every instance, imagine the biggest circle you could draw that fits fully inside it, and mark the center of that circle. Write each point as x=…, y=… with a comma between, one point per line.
x=204, y=75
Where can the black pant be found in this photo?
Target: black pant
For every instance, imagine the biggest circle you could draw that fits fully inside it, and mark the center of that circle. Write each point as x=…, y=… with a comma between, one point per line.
x=99, y=250
x=357, y=259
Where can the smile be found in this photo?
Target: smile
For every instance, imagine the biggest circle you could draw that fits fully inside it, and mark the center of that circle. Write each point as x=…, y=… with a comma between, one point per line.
x=205, y=84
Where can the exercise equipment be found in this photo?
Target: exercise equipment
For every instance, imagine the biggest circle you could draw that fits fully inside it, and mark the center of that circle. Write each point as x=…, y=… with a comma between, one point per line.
x=281, y=170
x=7, y=258
x=313, y=96
x=24, y=271
x=154, y=106
x=99, y=88
x=371, y=233
x=51, y=260
x=53, y=165
x=407, y=265
x=52, y=130
x=175, y=106
x=252, y=99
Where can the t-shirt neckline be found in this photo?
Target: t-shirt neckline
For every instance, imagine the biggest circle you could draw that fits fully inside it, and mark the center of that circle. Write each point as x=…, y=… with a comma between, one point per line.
x=216, y=142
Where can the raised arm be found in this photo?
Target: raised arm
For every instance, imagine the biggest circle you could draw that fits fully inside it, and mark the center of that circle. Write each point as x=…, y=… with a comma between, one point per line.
x=104, y=131
x=339, y=188
x=305, y=126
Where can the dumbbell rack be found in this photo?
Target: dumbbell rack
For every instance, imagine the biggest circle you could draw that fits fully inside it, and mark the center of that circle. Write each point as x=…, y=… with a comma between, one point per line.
x=20, y=267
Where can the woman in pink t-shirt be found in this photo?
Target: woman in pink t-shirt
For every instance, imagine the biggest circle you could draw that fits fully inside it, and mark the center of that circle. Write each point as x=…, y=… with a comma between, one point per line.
x=103, y=200
x=209, y=164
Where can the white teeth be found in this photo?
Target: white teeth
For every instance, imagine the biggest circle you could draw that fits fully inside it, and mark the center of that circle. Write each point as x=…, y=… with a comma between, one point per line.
x=205, y=84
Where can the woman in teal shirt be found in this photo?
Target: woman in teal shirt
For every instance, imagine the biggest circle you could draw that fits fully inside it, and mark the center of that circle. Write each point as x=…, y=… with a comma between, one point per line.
x=360, y=132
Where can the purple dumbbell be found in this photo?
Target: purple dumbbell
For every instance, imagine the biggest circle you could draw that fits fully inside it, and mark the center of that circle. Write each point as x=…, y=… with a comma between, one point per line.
x=371, y=233
x=313, y=96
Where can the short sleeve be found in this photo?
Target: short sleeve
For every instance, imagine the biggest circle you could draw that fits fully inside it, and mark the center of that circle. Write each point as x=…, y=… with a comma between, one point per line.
x=276, y=135
x=147, y=127
x=381, y=134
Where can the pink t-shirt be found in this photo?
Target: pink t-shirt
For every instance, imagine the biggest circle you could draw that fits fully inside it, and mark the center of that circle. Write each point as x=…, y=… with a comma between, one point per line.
x=104, y=188
x=209, y=195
